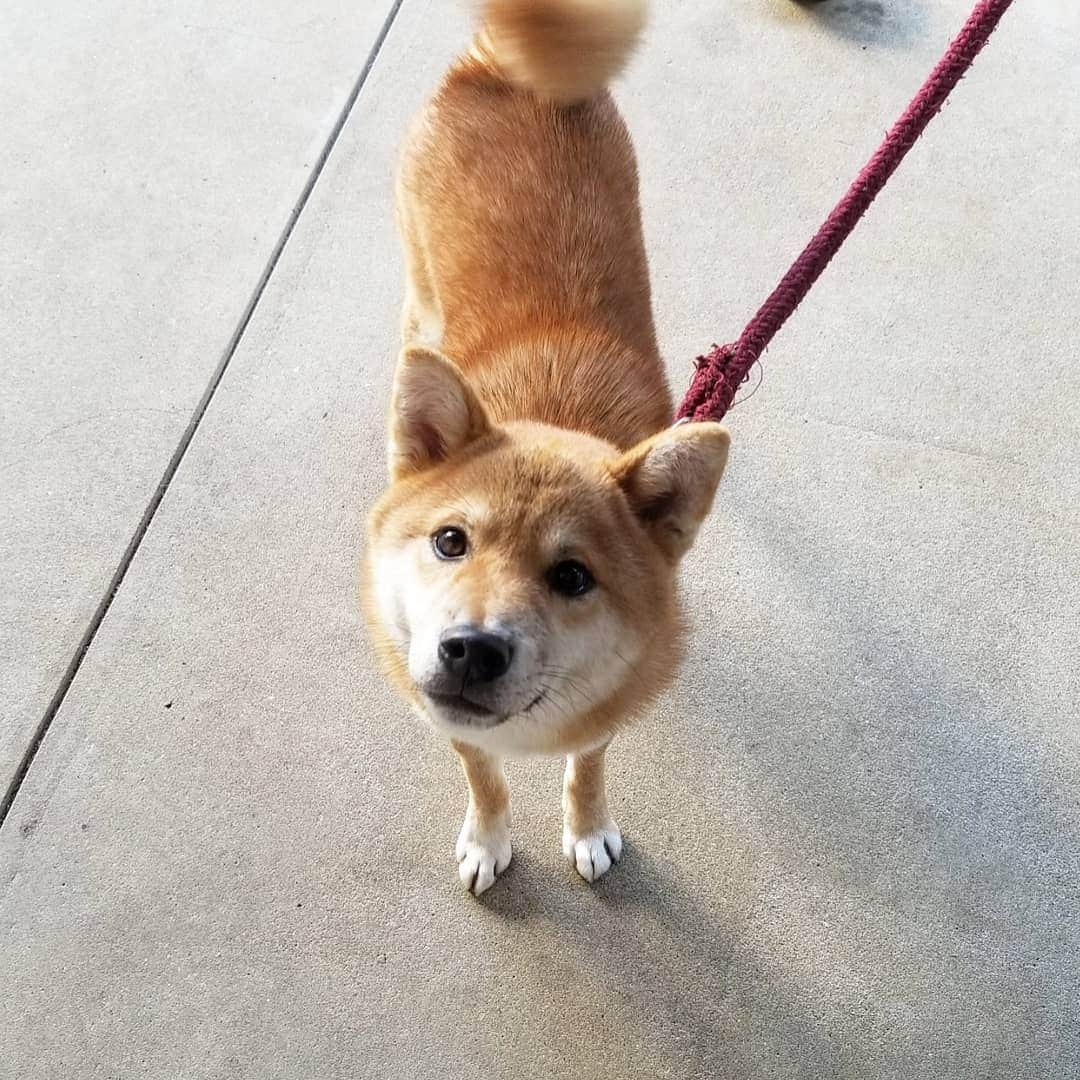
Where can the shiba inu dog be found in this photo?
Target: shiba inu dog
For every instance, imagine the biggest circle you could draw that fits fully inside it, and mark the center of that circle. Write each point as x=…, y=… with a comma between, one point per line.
x=520, y=573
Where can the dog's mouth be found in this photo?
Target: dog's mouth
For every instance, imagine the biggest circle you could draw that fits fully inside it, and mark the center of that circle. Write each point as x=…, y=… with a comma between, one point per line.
x=459, y=703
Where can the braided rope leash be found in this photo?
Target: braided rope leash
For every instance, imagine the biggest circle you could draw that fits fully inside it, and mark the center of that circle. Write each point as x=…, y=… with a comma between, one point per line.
x=721, y=371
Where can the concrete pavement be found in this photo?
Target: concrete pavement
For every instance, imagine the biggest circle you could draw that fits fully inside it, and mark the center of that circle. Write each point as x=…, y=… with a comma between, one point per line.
x=853, y=828
x=152, y=157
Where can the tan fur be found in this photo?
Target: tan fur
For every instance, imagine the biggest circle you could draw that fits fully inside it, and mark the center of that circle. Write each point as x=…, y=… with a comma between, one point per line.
x=483, y=848
x=487, y=785
x=584, y=797
x=531, y=412
x=564, y=50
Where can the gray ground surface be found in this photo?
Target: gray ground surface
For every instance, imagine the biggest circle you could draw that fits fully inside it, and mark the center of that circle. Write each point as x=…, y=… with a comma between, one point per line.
x=853, y=829
x=152, y=154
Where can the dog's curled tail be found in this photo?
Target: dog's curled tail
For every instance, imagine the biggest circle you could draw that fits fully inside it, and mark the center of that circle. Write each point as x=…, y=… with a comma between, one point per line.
x=563, y=50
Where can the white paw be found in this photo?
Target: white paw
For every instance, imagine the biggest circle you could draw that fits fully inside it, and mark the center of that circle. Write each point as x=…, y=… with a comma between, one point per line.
x=593, y=853
x=482, y=854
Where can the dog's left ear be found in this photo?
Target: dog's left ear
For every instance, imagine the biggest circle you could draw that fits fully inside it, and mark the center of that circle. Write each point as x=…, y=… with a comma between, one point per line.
x=670, y=480
x=434, y=412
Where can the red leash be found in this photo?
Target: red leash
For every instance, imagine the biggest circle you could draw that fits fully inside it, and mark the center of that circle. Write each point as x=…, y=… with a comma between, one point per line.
x=720, y=372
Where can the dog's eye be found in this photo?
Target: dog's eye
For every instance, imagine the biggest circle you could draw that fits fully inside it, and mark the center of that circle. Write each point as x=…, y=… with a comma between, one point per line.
x=450, y=543
x=570, y=578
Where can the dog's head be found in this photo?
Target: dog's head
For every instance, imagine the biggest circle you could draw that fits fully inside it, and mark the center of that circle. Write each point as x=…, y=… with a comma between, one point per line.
x=520, y=579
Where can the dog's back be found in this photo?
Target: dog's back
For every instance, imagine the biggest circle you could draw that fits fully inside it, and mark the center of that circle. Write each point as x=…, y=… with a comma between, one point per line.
x=519, y=210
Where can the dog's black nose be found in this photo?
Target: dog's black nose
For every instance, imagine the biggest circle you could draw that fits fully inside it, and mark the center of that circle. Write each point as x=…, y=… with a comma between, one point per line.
x=475, y=655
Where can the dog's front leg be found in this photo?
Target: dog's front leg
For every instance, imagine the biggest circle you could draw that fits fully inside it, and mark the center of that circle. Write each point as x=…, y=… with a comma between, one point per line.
x=591, y=839
x=483, y=847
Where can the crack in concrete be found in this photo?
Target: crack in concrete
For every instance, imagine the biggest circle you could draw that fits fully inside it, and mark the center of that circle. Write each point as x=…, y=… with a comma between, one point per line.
x=233, y=344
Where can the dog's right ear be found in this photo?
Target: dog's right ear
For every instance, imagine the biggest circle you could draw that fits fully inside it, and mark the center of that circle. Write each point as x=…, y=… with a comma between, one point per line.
x=434, y=412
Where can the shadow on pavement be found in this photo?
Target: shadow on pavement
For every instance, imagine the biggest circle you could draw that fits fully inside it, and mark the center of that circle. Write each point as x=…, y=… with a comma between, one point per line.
x=884, y=23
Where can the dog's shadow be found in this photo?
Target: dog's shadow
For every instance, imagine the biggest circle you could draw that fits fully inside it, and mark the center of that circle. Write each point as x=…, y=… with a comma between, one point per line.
x=867, y=907
x=651, y=958
x=895, y=24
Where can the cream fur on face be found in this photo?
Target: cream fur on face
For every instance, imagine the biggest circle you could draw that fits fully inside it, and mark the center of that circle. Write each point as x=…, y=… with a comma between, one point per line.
x=561, y=671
